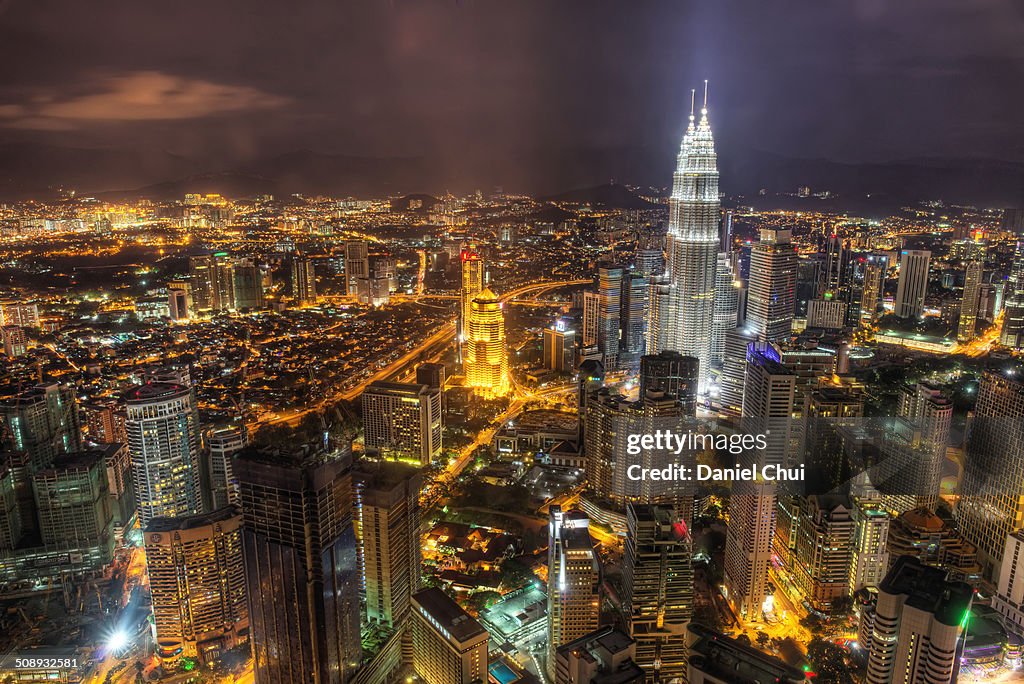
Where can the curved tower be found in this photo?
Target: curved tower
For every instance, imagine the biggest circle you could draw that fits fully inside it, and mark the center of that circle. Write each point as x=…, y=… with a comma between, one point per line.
x=486, y=357
x=692, y=247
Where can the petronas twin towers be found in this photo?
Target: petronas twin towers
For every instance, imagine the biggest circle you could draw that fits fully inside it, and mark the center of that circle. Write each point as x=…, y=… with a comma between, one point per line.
x=683, y=303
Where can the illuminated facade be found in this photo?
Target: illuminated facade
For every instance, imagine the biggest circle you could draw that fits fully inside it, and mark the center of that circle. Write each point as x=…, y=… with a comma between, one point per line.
x=573, y=577
x=303, y=281
x=163, y=440
x=969, y=303
x=912, y=284
x=449, y=646
x=403, y=420
x=692, y=247
x=197, y=580
x=486, y=356
x=472, y=285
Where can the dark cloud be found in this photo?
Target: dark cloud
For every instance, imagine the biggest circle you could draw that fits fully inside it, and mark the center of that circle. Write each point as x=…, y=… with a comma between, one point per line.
x=844, y=79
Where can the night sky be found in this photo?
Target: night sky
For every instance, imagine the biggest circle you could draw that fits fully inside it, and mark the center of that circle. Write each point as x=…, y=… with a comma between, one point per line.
x=228, y=80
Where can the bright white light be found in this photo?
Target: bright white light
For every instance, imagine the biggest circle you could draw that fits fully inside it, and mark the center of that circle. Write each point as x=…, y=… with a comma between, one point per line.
x=117, y=641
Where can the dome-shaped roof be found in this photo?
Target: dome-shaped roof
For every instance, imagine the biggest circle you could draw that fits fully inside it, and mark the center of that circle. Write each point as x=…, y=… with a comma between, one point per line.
x=923, y=519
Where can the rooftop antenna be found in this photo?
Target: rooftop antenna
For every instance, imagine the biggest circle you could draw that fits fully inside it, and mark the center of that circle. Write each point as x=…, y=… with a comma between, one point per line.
x=705, y=110
x=693, y=98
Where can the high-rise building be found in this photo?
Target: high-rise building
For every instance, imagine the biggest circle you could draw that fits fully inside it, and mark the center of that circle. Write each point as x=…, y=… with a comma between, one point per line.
x=22, y=314
x=1009, y=597
x=685, y=324
x=591, y=319
x=301, y=567
x=387, y=519
x=933, y=541
x=875, y=270
x=602, y=657
x=609, y=285
x=718, y=659
x=969, y=304
x=870, y=559
x=657, y=582
x=248, y=285
x=734, y=370
x=42, y=422
x=432, y=375
x=728, y=289
x=991, y=506
x=472, y=286
x=914, y=449
x=826, y=313
x=559, y=348
x=221, y=445
x=573, y=578
x=1012, y=333
x=674, y=374
x=771, y=289
x=912, y=284
x=403, y=420
x=917, y=621
x=635, y=303
x=179, y=300
x=163, y=440
x=824, y=550
x=15, y=341
x=357, y=265
x=303, y=281
x=768, y=402
x=197, y=580
x=449, y=646
x=486, y=355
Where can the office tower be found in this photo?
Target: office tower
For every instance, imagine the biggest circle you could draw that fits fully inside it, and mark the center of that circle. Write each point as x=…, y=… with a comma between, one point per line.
x=486, y=355
x=1012, y=333
x=212, y=279
x=870, y=555
x=21, y=314
x=718, y=659
x=649, y=261
x=42, y=422
x=179, y=300
x=692, y=248
x=727, y=302
x=917, y=622
x=15, y=341
x=824, y=550
x=449, y=646
x=472, y=286
x=912, y=284
x=636, y=292
x=248, y=285
x=771, y=288
x=163, y=440
x=403, y=420
x=301, y=569
x=914, y=449
x=992, y=490
x=303, y=281
x=608, y=286
x=826, y=313
x=875, y=270
x=357, y=265
x=573, y=577
x=1009, y=597
x=559, y=348
x=832, y=276
x=969, y=303
x=222, y=444
x=734, y=369
x=606, y=656
x=387, y=515
x=657, y=582
x=73, y=506
x=197, y=582
x=674, y=374
x=767, y=409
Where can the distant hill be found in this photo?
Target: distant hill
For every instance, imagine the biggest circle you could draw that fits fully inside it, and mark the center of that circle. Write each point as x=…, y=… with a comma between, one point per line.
x=612, y=196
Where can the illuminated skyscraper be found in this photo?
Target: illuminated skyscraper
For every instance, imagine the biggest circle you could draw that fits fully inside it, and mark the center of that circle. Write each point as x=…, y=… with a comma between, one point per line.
x=692, y=248
x=969, y=303
x=213, y=282
x=472, y=285
x=42, y=422
x=221, y=446
x=403, y=419
x=913, y=283
x=486, y=356
x=197, y=580
x=771, y=291
x=301, y=567
x=449, y=646
x=357, y=265
x=657, y=582
x=1012, y=333
x=573, y=577
x=991, y=506
x=875, y=269
x=15, y=341
x=727, y=301
x=303, y=281
x=248, y=285
x=163, y=440
x=672, y=373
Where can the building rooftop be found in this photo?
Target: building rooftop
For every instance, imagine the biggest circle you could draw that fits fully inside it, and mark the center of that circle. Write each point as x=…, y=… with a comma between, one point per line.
x=155, y=390
x=926, y=588
x=189, y=522
x=731, y=661
x=447, y=615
